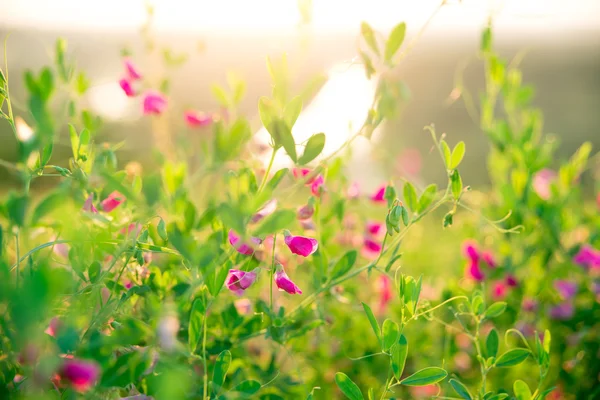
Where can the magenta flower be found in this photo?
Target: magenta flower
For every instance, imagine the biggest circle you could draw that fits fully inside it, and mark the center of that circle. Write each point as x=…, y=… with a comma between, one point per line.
x=238, y=281
x=379, y=195
x=474, y=271
x=301, y=173
x=53, y=327
x=542, y=181
x=81, y=374
x=268, y=209
x=587, y=257
x=196, y=119
x=562, y=311
x=154, y=103
x=240, y=246
x=489, y=259
x=374, y=228
x=132, y=230
x=305, y=212
x=566, y=289
x=469, y=249
x=384, y=288
x=131, y=70
x=317, y=186
x=127, y=87
x=284, y=283
x=511, y=280
x=370, y=248
x=89, y=204
x=113, y=200
x=499, y=291
x=303, y=246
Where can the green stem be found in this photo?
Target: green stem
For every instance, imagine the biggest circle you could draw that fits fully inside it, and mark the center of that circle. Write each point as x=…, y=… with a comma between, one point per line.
x=205, y=390
x=268, y=171
x=272, y=274
x=18, y=257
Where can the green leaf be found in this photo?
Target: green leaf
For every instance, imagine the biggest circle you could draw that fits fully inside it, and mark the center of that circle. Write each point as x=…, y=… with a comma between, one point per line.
x=460, y=389
x=391, y=333
x=216, y=279
x=495, y=310
x=500, y=396
x=457, y=155
x=344, y=264
x=399, y=353
x=425, y=377
x=267, y=112
x=46, y=154
x=348, y=387
x=82, y=84
x=313, y=148
x=292, y=110
x=46, y=83
x=221, y=95
x=486, y=40
x=547, y=341
x=220, y=372
x=74, y=140
x=282, y=136
x=456, y=184
x=248, y=387
x=522, y=391
x=231, y=217
x=47, y=205
x=410, y=196
x=369, y=36
x=512, y=357
x=373, y=322
x=446, y=152
x=16, y=208
x=94, y=271
x=2, y=77
x=161, y=228
x=395, y=41
x=491, y=343
x=195, y=326
x=84, y=141
x=275, y=222
x=427, y=197
x=277, y=178
x=448, y=219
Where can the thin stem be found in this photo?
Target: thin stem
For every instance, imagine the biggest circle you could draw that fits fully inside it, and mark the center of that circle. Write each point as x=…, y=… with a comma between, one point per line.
x=205, y=390
x=272, y=274
x=438, y=306
x=18, y=257
x=268, y=171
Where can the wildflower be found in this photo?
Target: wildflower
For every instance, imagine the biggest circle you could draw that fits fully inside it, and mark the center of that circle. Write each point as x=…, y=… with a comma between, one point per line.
x=303, y=246
x=529, y=304
x=305, y=212
x=384, y=288
x=374, y=228
x=566, y=289
x=379, y=195
x=562, y=311
x=469, y=249
x=243, y=306
x=317, y=185
x=240, y=246
x=474, y=271
x=53, y=327
x=112, y=201
x=284, y=283
x=61, y=249
x=131, y=70
x=132, y=230
x=81, y=374
x=301, y=173
x=499, y=290
x=353, y=191
x=542, y=181
x=197, y=119
x=89, y=204
x=587, y=257
x=154, y=103
x=370, y=248
x=268, y=209
x=127, y=87
x=489, y=259
x=511, y=280
x=238, y=281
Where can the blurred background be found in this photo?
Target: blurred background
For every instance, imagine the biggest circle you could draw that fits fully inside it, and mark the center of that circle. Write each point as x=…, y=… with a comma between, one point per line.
x=560, y=41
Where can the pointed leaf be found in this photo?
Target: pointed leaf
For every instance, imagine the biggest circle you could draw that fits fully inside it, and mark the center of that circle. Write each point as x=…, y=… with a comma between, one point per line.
x=460, y=389
x=457, y=155
x=372, y=321
x=427, y=197
x=395, y=41
x=313, y=148
x=276, y=179
x=344, y=264
x=369, y=36
x=425, y=377
x=248, y=387
x=410, y=196
x=292, y=110
x=161, y=228
x=348, y=387
x=491, y=343
x=390, y=333
x=399, y=353
x=446, y=152
x=220, y=372
x=512, y=357
x=195, y=325
x=522, y=391
x=495, y=310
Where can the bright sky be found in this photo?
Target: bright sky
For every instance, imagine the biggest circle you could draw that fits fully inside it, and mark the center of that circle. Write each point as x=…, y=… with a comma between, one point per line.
x=282, y=15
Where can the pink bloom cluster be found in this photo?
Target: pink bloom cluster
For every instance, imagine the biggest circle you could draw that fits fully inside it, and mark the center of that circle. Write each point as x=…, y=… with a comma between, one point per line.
x=374, y=231
x=111, y=202
x=476, y=259
x=316, y=183
x=588, y=257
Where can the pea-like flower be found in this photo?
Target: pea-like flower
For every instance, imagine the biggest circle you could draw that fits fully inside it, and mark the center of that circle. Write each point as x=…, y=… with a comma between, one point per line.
x=303, y=246
x=154, y=103
x=268, y=209
x=196, y=119
x=379, y=195
x=238, y=281
x=305, y=212
x=587, y=257
x=317, y=186
x=112, y=201
x=283, y=281
x=127, y=87
x=89, y=204
x=131, y=70
x=243, y=247
x=82, y=375
x=566, y=289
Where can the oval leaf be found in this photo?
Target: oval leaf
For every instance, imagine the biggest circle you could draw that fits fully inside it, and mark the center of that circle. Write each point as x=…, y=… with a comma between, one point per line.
x=220, y=372
x=292, y=111
x=491, y=343
x=348, y=387
x=313, y=148
x=195, y=326
x=425, y=377
x=399, y=354
x=495, y=310
x=372, y=321
x=512, y=357
x=369, y=36
x=248, y=387
x=410, y=196
x=395, y=41
x=522, y=391
x=391, y=333
x=457, y=155
x=344, y=264
x=460, y=389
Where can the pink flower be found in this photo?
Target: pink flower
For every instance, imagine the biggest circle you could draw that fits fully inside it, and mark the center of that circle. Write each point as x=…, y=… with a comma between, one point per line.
x=132, y=230
x=81, y=374
x=422, y=392
x=370, y=248
x=489, y=259
x=353, y=191
x=89, y=204
x=240, y=246
x=499, y=291
x=127, y=87
x=562, y=311
x=112, y=201
x=154, y=103
x=284, y=283
x=301, y=173
x=511, y=280
x=305, y=212
x=131, y=70
x=317, y=186
x=53, y=327
x=529, y=304
x=566, y=289
x=374, y=228
x=469, y=249
x=61, y=249
x=587, y=257
x=238, y=281
x=308, y=225
x=474, y=271
x=303, y=246
x=542, y=181
x=268, y=209
x=379, y=195
x=384, y=287
x=196, y=119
